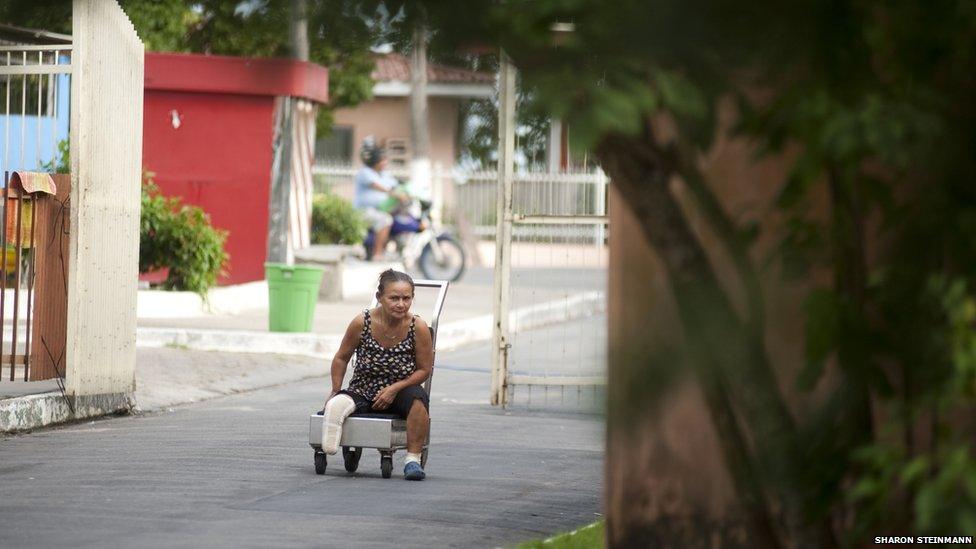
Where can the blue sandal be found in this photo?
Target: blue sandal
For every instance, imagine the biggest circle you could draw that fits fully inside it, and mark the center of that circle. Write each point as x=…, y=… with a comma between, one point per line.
x=413, y=471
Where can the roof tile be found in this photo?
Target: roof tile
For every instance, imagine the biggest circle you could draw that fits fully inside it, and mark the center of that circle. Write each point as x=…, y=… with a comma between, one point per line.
x=393, y=67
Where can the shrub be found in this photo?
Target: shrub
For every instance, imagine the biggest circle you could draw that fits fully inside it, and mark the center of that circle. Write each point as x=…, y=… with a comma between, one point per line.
x=335, y=221
x=179, y=237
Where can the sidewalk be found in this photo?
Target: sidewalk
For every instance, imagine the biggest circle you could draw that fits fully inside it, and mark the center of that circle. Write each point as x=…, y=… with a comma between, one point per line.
x=466, y=317
x=171, y=368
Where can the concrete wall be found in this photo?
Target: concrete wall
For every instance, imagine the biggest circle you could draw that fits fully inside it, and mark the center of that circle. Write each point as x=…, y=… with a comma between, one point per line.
x=386, y=117
x=106, y=166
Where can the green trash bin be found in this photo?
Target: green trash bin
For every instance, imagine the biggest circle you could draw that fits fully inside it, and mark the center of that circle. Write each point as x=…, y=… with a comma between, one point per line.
x=292, y=293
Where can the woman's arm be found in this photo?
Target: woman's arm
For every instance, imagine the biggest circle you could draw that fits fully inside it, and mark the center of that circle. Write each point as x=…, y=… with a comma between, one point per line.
x=348, y=346
x=375, y=185
x=425, y=363
x=392, y=190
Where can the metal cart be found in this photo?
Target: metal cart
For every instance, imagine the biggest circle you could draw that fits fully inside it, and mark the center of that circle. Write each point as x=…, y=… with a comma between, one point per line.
x=384, y=432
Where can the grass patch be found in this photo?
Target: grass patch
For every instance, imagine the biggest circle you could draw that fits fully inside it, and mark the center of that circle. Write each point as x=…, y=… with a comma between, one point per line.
x=584, y=537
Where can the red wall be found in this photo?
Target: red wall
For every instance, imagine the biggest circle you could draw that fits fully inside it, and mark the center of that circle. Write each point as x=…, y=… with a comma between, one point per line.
x=219, y=158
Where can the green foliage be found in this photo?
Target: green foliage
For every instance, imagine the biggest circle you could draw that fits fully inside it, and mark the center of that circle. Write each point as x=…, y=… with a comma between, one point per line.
x=937, y=487
x=49, y=15
x=587, y=537
x=339, y=33
x=161, y=24
x=479, y=136
x=62, y=162
x=171, y=235
x=335, y=221
x=179, y=237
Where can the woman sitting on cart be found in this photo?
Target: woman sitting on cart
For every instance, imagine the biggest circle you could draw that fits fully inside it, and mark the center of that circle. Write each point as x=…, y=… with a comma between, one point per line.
x=394, y=357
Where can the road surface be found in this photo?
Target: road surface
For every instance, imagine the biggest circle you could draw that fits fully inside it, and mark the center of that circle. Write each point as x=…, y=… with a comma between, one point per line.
x=237, y=472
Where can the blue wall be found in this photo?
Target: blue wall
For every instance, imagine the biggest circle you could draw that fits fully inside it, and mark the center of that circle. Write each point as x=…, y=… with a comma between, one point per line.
x=14, y=126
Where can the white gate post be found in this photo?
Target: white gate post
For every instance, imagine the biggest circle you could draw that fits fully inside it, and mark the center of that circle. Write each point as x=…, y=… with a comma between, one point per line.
x=503, y=236
x=600, y=204
x=106, y=173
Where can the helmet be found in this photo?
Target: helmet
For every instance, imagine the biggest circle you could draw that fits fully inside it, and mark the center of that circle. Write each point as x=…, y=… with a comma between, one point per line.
x=370, y=152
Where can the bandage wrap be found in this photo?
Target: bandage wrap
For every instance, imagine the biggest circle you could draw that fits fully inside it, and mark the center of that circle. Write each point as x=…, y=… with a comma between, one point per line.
x=337, y=410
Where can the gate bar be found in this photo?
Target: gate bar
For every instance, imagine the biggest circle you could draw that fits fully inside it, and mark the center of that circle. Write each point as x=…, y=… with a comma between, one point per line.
x=503, y=240
x=17, y=270
x=556, y=381
x=31, y=262
x=3, y=263
x=520, y=219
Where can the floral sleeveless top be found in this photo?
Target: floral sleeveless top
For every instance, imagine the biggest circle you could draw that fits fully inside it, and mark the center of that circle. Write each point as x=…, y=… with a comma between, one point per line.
x=377, y=366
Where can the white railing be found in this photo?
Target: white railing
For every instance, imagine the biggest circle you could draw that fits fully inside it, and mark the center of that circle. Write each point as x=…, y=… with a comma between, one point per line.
x=549, y=194
x=469, y=199
x=35, y=95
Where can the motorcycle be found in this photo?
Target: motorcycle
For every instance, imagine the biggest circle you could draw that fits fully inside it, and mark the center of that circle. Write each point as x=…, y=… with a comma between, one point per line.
x=437, y=253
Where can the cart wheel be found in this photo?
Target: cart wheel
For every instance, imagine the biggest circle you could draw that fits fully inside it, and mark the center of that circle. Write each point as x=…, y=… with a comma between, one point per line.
x=386, y=466
x=319, y=462
x=423, y=459
x=350, y=456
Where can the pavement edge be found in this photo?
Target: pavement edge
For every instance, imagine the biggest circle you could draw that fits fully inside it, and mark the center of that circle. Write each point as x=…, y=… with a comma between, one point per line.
x=41, y=410
x=449, y=335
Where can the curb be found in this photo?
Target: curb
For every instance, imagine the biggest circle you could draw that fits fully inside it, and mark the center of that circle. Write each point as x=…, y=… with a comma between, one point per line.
x=240, y=341
x=41, y=410
x=358, y=279
x=449, y=336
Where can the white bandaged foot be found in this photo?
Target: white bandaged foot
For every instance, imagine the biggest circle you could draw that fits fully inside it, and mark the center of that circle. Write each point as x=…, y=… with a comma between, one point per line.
x=336, y=411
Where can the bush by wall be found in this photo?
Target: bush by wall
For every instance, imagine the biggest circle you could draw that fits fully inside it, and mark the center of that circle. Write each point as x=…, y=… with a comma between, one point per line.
x=179, y=237
x=172, y=235
x=335, y=221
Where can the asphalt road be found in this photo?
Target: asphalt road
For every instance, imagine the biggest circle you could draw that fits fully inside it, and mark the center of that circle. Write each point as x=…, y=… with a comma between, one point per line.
x=237, y=472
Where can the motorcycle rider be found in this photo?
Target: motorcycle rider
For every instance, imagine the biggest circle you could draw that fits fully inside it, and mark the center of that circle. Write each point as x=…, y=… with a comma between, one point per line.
x=374, y=187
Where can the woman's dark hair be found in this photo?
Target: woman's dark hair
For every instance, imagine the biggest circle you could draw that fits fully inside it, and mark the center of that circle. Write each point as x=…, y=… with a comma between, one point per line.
x=390, y=276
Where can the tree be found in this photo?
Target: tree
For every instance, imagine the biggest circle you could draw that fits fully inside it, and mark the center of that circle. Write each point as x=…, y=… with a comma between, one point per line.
x=419, y=131
x=872, y=102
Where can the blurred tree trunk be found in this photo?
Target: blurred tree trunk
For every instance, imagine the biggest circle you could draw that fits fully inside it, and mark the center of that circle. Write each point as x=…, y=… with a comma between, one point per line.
x=727, y=351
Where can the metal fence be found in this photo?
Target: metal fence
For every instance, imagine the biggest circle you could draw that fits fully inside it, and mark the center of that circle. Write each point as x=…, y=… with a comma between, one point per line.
x=535, y=193
x=468, y=201
x=550, y=274
x=35, y=90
